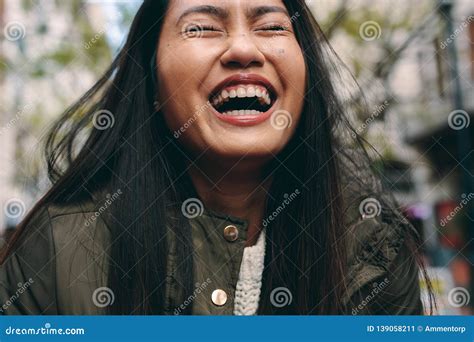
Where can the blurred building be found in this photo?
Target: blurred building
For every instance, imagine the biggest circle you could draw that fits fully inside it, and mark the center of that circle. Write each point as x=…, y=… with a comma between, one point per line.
x=402, y=57
x=434, y=175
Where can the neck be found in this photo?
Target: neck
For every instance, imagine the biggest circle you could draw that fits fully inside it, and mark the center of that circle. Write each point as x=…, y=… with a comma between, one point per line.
x=240, y=193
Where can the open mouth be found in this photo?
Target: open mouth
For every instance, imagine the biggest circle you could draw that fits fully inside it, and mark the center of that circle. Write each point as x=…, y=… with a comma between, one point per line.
x=243, y=99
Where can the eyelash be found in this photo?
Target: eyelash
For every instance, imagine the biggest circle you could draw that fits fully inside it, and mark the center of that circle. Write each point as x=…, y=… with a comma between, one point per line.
x=209, y=28
x=200, y=28
x=275, y=27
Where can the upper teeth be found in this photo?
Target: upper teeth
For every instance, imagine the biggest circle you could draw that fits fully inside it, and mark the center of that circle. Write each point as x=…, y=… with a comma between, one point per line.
x=242, y=91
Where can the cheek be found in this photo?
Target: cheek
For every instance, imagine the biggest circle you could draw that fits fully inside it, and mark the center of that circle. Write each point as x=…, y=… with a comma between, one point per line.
x=175, y=79
x=290, y=65
x=286, y=56
x=172, y=72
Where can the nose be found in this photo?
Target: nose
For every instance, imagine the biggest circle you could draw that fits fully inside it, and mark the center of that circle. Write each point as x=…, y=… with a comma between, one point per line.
x=242, y=52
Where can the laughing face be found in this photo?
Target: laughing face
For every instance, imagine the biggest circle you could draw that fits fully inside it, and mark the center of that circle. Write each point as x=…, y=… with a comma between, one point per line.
x=231, y=77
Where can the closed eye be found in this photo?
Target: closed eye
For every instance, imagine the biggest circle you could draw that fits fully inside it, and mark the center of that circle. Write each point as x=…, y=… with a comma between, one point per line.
x=199, y=28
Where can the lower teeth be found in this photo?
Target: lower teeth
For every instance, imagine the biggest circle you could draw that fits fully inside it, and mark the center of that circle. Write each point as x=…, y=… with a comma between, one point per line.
x=242, y=112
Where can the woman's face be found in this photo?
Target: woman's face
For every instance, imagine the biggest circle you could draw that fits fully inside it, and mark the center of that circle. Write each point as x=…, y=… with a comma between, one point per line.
x=231, y=76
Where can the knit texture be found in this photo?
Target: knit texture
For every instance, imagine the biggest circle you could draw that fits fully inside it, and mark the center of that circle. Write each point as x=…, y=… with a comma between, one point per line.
x=249, y=284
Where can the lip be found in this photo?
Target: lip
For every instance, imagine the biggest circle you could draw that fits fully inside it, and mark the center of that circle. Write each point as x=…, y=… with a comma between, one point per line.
x=245, y=120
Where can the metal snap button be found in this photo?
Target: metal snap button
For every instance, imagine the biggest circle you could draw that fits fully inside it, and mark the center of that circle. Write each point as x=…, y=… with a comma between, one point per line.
x=219, y=297
x=231, y=233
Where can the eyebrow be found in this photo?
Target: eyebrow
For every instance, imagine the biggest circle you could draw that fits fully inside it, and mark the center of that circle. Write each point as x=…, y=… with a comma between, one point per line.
x=259, y=11
x=218, y=12
x=223, y=13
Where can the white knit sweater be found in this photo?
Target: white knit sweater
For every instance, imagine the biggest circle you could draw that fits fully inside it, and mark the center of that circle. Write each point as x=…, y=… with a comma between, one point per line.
x=247, y=293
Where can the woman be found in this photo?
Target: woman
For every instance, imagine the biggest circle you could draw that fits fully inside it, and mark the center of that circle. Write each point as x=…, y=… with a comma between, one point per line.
x=216, y=177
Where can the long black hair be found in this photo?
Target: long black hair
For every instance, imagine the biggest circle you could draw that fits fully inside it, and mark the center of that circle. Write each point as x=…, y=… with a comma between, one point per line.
x=306, y=250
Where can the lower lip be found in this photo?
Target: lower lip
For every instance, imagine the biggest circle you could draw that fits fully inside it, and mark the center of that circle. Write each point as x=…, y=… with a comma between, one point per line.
x=245, y=120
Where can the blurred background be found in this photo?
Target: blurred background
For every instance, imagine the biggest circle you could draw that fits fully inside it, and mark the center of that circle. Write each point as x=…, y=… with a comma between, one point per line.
x=414, y=62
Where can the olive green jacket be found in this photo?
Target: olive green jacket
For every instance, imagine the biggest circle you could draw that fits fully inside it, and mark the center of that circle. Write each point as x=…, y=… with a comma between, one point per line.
x=54, y=272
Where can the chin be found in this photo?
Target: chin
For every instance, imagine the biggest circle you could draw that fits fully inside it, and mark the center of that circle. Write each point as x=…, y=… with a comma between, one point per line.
x=247, y=151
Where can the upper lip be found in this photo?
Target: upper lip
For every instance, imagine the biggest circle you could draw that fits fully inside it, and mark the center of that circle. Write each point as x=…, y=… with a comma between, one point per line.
x=244, y=79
